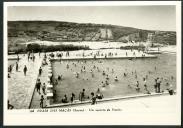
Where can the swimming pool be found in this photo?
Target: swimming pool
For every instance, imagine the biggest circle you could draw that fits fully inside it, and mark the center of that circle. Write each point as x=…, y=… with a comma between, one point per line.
x=165, y=68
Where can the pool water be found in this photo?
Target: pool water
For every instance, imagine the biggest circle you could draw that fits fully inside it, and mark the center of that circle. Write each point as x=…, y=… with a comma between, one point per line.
x=165, y=68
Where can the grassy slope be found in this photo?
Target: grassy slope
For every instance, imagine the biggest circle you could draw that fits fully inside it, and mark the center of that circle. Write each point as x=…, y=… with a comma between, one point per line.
x=22, y=31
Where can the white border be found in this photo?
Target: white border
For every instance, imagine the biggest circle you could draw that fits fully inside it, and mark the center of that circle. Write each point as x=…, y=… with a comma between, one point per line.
x=23, y=117
x=94, y=3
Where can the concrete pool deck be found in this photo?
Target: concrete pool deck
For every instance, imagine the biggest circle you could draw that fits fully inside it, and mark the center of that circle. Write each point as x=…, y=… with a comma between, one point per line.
x=103, y=54
x=89, y=58
x=35, y=102
x=20, y=87
x=146, y=110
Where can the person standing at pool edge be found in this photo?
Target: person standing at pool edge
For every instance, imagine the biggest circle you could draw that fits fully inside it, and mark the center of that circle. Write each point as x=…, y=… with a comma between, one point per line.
x=44, y=89
x=72, y=97
x=145, y=84
x=155, y=86
x=41, y=101
x=82, y=95
x=10, y=69
x=137, y=86
x=25, y=70
x=40, y=71
x=38, y=86
x=16, y=66
x=158, y=84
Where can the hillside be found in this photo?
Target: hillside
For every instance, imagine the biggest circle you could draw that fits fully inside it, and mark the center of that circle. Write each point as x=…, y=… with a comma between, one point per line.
x=23, y=31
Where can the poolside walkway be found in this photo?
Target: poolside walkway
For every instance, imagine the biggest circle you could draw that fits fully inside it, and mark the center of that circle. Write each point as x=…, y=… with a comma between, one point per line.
x=103, y=54
x=20, y=87
x=35, y=103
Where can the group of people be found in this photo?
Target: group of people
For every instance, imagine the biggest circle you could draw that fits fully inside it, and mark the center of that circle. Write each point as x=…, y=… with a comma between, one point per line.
x=157, y=86
x=83, y=97
x=41, y=88
x=10, y=68
x=17, y=67
x=29, y=56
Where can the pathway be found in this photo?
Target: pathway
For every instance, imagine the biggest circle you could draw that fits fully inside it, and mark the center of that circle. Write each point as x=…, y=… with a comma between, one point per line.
x=20, y=87
x=35, y=103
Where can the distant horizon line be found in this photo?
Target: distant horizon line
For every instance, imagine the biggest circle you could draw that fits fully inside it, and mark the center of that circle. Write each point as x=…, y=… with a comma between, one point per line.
x=91, y=23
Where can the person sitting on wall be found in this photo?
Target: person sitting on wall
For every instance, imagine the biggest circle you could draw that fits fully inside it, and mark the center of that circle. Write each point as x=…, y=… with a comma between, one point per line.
x=93, y=99
x=170, y=89
x=99, y=95
x=9, y=105
x=64, y=100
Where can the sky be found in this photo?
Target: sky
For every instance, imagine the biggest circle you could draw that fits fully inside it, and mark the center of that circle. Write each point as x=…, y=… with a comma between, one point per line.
x=162, y=17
